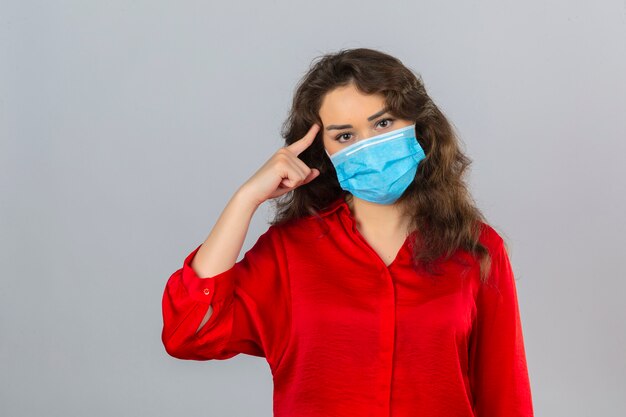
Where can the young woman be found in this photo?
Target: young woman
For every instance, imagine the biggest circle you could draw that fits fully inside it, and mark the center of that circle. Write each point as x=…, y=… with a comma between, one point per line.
x=379, y=289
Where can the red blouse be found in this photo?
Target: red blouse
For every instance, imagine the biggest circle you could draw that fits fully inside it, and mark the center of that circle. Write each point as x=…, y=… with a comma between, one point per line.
x=346, y=335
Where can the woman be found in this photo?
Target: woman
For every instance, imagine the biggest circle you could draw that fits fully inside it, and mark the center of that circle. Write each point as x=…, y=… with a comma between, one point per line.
x=378, y=289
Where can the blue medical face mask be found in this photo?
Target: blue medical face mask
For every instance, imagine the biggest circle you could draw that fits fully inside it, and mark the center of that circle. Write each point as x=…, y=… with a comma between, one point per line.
x=379, y=169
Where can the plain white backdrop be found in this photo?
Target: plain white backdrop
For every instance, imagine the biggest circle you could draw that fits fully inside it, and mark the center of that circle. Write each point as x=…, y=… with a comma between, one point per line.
x=125, y=127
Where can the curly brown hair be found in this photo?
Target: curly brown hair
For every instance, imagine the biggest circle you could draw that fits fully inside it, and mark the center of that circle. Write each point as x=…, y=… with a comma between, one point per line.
x=443, y=212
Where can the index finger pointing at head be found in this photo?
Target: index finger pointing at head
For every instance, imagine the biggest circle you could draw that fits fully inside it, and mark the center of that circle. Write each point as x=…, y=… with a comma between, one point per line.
x=300, y=145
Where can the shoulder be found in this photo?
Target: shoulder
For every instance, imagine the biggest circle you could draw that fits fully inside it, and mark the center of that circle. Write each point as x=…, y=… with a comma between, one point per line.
x=330, y=211
x=500, y=270
x=494, y=240
x=310, y=228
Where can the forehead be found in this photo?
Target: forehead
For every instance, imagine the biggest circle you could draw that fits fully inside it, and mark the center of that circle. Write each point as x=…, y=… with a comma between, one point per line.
x=347, y=103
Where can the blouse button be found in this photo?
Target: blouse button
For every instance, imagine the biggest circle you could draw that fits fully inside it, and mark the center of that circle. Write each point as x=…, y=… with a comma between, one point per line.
x=207, y=291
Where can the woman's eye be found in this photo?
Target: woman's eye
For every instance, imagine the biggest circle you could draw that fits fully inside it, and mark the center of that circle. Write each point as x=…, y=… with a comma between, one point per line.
x=338, y=137
x=389, y=120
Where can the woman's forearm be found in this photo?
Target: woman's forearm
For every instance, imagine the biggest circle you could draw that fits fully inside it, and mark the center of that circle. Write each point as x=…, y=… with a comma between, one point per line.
x=221, y=248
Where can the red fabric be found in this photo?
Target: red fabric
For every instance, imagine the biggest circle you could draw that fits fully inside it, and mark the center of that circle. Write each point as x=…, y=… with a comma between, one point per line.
x=346, y=335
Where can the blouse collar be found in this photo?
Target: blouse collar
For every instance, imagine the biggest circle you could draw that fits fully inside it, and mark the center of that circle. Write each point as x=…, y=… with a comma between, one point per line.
x=341, y=207
x=339, y=203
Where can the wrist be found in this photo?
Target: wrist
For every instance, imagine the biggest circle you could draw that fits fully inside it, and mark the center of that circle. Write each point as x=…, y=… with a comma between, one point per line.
x=246, y=198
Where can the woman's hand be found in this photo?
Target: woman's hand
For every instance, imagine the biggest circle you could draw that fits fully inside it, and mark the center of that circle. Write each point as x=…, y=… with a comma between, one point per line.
x=283, y=172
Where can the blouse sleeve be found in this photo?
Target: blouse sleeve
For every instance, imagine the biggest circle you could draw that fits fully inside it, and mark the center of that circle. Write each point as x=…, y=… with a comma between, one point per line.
x=497, y=361
x=250, y=303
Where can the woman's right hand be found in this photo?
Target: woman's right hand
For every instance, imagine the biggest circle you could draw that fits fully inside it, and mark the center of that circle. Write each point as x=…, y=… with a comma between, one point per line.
x=283, y=172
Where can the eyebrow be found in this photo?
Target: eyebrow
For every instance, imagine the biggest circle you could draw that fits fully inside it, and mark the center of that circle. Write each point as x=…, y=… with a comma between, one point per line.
x=373, y=116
